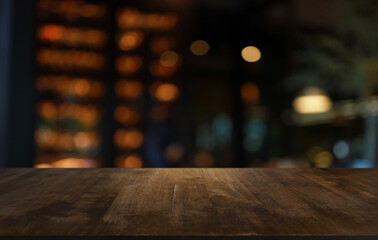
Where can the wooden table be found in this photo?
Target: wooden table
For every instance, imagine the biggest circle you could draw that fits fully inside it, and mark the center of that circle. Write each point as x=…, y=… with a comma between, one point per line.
x=189, y=204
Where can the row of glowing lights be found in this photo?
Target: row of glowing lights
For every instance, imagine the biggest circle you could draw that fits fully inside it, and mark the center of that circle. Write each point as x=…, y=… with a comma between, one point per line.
x=46, y=138
x=72, y=10
x=132, y=18
x=316, y=155
x=130, y=40
x=133, y=89
x=129, y=161
x=70, y=86
x=72, y=36
x=87, y=115
x=173, y=153
x=49, y=139
x=89, y=37
x=70, y=59
x=165, y=66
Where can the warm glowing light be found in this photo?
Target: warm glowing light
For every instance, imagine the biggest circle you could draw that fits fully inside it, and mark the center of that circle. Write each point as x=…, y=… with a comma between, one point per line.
x=131, y=161
x=203, y=159
x=68, y=86
x=130, y=40
x=128, y=64
x=126, y=115
x=159, y=70
x=169, y=58
x=129, y=89
x=166, y=92
x=47, y=110
x=174, y=152
x=70, y=59
x=43, y=165
x=73, y=10
x=312, y=100
x=251, y=54
x=82, y=140
x=159, y=45
x=82, y=87
x=250, y=93
x=323, y=160
x=65, y=141
x=132, y=18
x=199, y=47
x=71, y=36
x=74, y=163
x=128, y=139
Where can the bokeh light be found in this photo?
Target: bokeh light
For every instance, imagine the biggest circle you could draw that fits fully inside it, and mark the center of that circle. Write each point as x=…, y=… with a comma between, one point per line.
x=129, y=89
x=130, y=40
x=166, y=92
x=169, y=58
x=126, y=115
x=199, y=47
x=203, y=160
x=130, y=161
x=128, y=138
x=250, y=93
x=312, y=100
x=251, y=54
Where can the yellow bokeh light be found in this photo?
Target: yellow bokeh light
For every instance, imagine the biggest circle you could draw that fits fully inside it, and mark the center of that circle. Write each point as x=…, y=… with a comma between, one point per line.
x=199, y=47
x=312, y=100
x=323, y=159
x=251, y=54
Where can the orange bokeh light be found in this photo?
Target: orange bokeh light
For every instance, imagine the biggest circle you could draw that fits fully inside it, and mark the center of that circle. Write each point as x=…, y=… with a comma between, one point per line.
x=128, y=64
x=250, y=93
x=130, y=40
x=131, y=161
x=129, y=89
x=166, y=92
x=128, y=138
x=126, y=115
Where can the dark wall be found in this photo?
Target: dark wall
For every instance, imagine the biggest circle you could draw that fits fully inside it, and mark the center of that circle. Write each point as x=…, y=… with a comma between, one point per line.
x=16, y=80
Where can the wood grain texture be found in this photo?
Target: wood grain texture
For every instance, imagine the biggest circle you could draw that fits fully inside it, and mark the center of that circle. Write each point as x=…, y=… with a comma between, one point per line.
x=240, y=203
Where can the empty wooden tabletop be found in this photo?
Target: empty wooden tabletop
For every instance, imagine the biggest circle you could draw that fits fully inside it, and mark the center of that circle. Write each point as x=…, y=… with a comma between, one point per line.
x=189, y=203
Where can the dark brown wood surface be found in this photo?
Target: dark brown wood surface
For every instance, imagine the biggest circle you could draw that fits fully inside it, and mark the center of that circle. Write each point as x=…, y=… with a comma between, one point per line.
x=240, y=203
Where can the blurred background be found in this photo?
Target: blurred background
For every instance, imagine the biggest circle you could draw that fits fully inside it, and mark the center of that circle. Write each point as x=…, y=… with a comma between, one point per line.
x=188, y=83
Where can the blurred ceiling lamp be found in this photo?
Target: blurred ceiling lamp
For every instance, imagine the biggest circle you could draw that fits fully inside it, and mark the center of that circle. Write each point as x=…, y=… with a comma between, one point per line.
x=251, y=54
x=312, y=100
x=199, y=47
